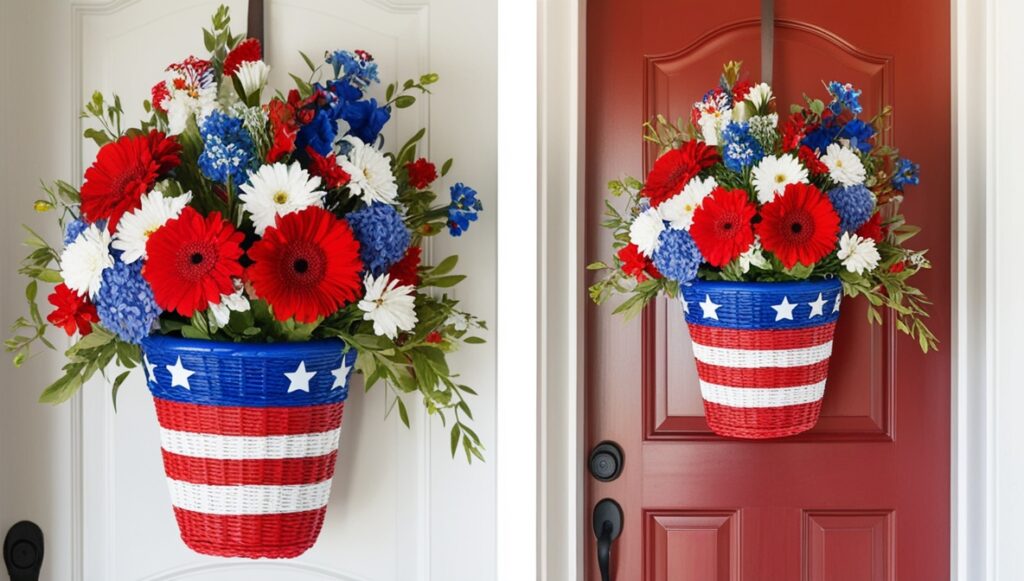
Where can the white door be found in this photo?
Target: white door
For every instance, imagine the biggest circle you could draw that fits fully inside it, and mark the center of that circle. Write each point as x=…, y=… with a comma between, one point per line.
x=401, y=509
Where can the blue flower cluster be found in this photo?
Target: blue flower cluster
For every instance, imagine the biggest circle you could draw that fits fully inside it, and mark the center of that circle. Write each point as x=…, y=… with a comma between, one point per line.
x=341, y=100
x=854, y=204
x=844, y=96
x=463, y=209
x=739, y=148
x=227, y=149
x=125, y=302
x=907, y=174
x=677, y=257
x=383, y=237
x=857, y=132
x=75, y=228
x=353, y=66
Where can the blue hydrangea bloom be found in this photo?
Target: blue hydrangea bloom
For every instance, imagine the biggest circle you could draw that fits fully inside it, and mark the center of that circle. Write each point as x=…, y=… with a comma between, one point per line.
x=365, y=119
x=826, y=133
x=463, y=209
x=318, y=133
x=854, y=204
x=228, y=150
x=844, y=96
x=677, y=257
x=383, y=237
x=859, y=133
x=351, y=66
x=907, y=173
x=739, y=148
x=125, y=302
x=75, y=228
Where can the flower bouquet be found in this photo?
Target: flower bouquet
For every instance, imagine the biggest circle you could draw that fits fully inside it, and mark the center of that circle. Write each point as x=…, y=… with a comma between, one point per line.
x=760, y=228
x=250, y=254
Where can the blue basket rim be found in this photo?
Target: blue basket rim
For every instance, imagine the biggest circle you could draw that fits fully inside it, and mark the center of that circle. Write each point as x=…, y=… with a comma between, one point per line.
x=773, y=287
x=281, y=349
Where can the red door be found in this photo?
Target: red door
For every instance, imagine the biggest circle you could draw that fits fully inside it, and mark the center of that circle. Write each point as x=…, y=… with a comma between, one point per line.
x=865, y=495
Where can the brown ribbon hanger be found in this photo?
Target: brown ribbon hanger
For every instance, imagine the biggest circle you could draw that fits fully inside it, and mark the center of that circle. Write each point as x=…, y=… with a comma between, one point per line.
x=767, y=39
x=255, y=24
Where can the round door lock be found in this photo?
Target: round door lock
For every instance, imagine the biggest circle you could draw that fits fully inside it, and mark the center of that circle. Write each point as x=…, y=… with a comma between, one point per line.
x=606, y=461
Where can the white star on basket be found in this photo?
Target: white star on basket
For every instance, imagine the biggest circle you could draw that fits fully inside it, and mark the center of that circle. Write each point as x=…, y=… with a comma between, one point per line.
x=150, y=368
x=839, y=297
x=686, y=305
x=299, y=379
x=710, y=308
x=817, y=307
x=180, y=375
x=341, y=374
x=784, y=310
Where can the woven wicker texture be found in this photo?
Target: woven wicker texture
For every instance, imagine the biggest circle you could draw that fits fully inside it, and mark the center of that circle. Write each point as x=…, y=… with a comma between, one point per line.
x=250, y=437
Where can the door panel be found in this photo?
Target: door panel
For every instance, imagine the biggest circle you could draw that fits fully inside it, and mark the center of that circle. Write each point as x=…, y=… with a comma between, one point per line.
x=824, y=504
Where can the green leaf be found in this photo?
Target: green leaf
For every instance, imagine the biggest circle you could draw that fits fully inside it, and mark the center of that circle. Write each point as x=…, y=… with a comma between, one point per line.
x=445, y=281
x=473, y=340
x=402, y=412
x=309, y=61
x=445, y=266
x=117, y=387
x=404, y=101
x=455, y=438
x=390, y=92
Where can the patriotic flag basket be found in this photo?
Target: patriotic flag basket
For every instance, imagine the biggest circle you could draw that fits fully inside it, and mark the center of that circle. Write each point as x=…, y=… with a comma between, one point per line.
x=760, y=225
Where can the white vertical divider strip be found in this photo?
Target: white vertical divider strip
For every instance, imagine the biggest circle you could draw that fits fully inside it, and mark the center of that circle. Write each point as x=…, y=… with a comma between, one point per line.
x=517, y=328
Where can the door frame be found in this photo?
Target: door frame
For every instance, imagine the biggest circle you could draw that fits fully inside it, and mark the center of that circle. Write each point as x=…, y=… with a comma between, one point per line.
x=981, y=468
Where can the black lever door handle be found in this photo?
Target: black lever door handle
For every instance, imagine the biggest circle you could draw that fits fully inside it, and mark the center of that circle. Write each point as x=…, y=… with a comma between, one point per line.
x=607, y=528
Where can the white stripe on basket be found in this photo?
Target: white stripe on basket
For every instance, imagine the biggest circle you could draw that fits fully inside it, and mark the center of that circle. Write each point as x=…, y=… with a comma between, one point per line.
x=752, y=359
x=249, y=447
x=248, y=499
x=751, y=397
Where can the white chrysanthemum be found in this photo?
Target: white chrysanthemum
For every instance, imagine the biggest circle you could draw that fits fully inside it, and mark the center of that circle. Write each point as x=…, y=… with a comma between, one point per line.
x=279, y=189
x=844, y=167
x=83, y=261
x=371, y=174
x=759, y=95
x=388, y=305
x=858, y=254
x=182, y=104
x=772, y=174
x=236, y=301
x=645, y=230
x=253, y=76
x=135, y=227
x=753, y=256
x=678, y=210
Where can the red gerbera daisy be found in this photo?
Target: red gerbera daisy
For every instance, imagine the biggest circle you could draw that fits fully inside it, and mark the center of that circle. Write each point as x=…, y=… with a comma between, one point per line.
x=246, y=51
x=307, y=266
x=811, y=161
x=675, y=168
x=799, y=226
x=873, y=228
x=159, y=93
x=722, y=226
x=406, y=271
x=192, y=260
x=635, y=264
x=421, y=173
x=124, y=170
x=327, y=168
x=73, y=313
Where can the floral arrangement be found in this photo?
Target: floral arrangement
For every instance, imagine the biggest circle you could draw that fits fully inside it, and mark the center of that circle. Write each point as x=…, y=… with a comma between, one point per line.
x=229, y=218
x=738, y=196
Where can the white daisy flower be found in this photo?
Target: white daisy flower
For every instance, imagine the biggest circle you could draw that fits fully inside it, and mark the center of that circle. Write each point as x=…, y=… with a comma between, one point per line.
x=844, y=167
x=252, y=75
x=645, y=230
x=772, y=174
x=236, y=301
x=83, y=261
x=678, y=210
x=135, y=227
x=759, y=95
x=389, y=306
x=753, y=256
x=279, y=189
x=858, y=254
x=371, y=174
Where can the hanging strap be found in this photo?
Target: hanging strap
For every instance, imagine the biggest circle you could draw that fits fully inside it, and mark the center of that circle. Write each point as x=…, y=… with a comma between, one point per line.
x=255, y=24
x=767, y=39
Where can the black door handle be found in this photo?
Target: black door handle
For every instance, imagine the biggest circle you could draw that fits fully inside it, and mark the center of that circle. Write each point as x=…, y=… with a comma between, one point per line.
x=23, y=551
x=607, y=528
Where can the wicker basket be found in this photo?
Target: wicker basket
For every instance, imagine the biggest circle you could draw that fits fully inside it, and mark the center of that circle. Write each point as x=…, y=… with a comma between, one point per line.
x=762, y=352
x=249, y=435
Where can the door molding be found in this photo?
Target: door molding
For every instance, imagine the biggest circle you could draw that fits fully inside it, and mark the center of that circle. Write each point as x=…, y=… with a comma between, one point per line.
x=977, y=71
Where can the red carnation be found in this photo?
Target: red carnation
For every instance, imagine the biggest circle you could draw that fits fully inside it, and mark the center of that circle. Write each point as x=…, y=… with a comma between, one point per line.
x=722, y=226
x=160, y=92
x=433, y=337
x=421, y=173
x=246, y=51
x=635, y=264
x=740, y=90
x=811, y=161
x=307, y=266
x=793, y=131
x=873, y=228
x=675, y=168
x=192, y=261
x=284, y=127
x=406, y=271
x=799, y=226
x=124, y=170
x=327, y=168
x=73, y=313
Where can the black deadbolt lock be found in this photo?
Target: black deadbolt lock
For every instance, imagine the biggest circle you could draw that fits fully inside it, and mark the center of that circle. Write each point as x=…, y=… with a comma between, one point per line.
x=606, y=461
x=23, y=551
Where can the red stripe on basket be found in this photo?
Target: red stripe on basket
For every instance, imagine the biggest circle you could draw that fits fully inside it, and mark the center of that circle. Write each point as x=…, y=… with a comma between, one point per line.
x=277, y=472
x=240, y=421
x=275, y=536
x=761, y=422
x=764, y=377
x=762, y=339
